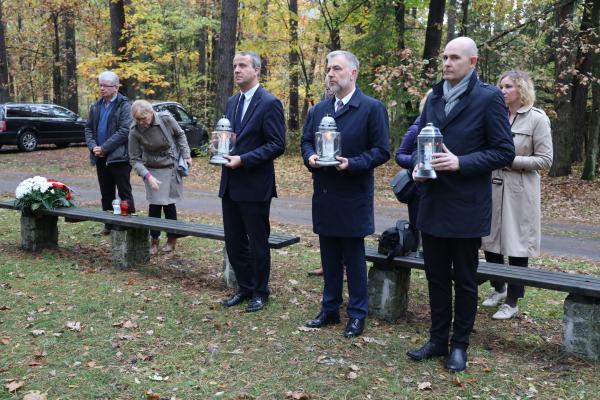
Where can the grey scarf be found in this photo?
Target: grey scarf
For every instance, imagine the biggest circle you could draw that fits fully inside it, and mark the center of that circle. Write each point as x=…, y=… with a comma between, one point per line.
x=453, y=93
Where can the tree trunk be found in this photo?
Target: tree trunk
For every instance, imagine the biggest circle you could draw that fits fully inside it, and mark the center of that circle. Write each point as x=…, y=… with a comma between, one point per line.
x=294, y=67
x=562, y=131
x=583, y=64
x=70, y=63
x=225, y=53
x=433, y=37
x=593, y=137
x=4, y=91
x=464, y=25
x=118, y=40
x=452, y=12
x=400, y=23
x=56, y=70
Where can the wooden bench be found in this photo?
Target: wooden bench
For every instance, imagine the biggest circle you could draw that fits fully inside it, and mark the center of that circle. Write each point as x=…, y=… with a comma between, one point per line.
x=129, y=236
x=389, y=284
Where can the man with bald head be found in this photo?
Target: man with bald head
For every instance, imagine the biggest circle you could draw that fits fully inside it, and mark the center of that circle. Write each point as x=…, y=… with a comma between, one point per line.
x=455, y=209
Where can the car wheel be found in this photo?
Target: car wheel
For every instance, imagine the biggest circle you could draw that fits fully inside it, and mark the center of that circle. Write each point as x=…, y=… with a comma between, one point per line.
x=61, y=145
x=28, y=141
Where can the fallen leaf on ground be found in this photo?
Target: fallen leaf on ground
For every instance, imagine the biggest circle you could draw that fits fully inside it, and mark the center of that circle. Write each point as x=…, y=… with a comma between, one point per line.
x=13, y=386
x=297, y=395
x=307, y=329
x=352, y=375
x=73, y=325
x=243, y=396
x=35, y=396
x=38, y=332
x=91, y=364
x=424, y=385
x=5, y=340
x=457, y=382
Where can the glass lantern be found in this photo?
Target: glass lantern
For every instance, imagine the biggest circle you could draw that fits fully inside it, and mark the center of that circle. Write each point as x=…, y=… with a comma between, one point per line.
x=328, y=142
x=222, y=142
x=429, y=141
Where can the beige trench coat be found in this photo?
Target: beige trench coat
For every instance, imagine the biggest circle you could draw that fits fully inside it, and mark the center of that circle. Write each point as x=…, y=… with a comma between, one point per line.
x=516, y=210
x=158, y=156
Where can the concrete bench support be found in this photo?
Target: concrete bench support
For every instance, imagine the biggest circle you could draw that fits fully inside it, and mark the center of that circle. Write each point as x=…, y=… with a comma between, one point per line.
x=228, y=272
x=38, y=232
x=388, y=291
x=581, y=322
x=130, y=247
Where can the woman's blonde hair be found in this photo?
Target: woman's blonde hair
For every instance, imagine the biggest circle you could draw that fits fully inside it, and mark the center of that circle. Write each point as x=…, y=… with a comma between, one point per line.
x=140, y=108
x=524, y=85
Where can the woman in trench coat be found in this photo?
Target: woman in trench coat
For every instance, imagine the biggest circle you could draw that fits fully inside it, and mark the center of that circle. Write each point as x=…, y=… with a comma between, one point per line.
x=156, y=142
x=516, y=226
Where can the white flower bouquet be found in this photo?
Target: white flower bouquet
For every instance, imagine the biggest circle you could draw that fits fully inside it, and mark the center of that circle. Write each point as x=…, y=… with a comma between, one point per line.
x=39, y=192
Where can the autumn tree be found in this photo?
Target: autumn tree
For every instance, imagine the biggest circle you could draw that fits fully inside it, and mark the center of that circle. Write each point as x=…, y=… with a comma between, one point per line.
x=4, y=91
x=70, y=87
x=593, y=132
x=225, y=53
x=433, y=35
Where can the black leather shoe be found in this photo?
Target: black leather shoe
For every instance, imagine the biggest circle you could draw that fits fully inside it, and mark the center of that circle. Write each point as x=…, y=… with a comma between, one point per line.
x=354, y=328
x=324, y=319
x=429, y=350
x=236, y=299
x=257, y=303
x=457, y=361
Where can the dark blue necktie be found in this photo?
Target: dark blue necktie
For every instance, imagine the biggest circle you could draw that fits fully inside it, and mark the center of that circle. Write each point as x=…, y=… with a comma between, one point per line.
x=239, y=110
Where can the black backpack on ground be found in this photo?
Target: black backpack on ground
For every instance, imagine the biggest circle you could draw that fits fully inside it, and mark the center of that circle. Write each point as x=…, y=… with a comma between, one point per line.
x=399, y=240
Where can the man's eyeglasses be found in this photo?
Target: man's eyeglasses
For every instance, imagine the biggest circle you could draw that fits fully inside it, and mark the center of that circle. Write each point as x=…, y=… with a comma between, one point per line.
x=107, y=86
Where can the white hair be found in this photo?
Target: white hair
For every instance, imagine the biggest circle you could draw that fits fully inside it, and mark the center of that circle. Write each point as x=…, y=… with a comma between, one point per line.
x=109, y=76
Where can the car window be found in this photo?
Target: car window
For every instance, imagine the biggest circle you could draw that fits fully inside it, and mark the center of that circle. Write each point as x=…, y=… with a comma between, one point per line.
x=179, y=114
x=42, y=111
x=18, y=112
x=61, y=112
x=159, y=108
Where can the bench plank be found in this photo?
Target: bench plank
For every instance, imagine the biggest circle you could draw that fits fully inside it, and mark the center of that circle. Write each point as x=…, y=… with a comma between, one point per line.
x=276, y=241
x=585, y=285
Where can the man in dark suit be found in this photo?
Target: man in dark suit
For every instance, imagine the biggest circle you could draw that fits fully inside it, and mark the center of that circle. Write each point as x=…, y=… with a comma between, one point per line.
x=455, y=209
x=248, y=181
x=107, y=137
x=342, y=206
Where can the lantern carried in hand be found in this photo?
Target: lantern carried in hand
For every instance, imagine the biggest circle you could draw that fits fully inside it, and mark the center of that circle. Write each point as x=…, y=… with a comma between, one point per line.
x=429, y=141
x=328, y=142
x=222, y=142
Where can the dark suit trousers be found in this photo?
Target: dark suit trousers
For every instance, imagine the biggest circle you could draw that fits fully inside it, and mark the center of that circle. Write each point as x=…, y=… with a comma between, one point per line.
x=247, y=231
x=337, y=252
x=111, y=176
x=447, y=260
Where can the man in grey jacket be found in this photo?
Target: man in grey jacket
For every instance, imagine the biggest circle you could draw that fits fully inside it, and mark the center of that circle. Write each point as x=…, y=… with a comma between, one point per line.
x=106, y=135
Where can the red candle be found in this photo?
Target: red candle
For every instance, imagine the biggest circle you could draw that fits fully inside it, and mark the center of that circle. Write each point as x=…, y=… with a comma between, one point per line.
x=124, y=207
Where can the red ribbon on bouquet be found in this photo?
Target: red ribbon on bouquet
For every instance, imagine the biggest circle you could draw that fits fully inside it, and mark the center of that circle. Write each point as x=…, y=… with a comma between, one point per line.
x=60, y=185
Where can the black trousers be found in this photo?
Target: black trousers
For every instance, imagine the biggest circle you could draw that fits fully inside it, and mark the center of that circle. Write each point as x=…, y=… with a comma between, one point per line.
x=337, y=252
x=112, y=178
x=448, y=260
x=513, y=291
x=247, y=231
x=154, y=210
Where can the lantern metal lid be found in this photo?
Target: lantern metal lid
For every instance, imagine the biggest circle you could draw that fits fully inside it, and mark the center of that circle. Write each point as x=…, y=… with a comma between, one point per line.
x=222, y=142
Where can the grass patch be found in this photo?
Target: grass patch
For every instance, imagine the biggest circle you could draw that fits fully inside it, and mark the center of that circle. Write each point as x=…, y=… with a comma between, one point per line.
x=157, y=331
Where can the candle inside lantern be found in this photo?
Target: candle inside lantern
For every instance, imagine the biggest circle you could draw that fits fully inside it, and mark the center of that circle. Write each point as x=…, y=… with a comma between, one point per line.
x=223, y=147
x=427, y=155
x=328, y=145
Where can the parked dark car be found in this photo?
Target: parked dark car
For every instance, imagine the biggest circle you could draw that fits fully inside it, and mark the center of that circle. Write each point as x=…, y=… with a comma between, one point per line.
x=196, y=133
x=29, y=124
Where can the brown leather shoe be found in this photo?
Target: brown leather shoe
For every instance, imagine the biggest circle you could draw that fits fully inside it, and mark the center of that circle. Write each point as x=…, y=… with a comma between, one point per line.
x=170, y=246
x=316, y=272
x=154, y=246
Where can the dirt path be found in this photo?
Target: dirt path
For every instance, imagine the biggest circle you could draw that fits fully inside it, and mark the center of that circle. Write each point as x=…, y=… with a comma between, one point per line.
x=558, y=239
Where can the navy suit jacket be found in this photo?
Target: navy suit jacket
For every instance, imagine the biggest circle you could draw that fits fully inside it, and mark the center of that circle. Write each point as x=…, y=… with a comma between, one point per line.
x=260, y=140
x=343, y=200
x=458, y=204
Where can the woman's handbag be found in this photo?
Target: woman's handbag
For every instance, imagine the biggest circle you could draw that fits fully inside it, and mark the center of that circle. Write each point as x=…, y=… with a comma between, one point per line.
x=403, y=186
